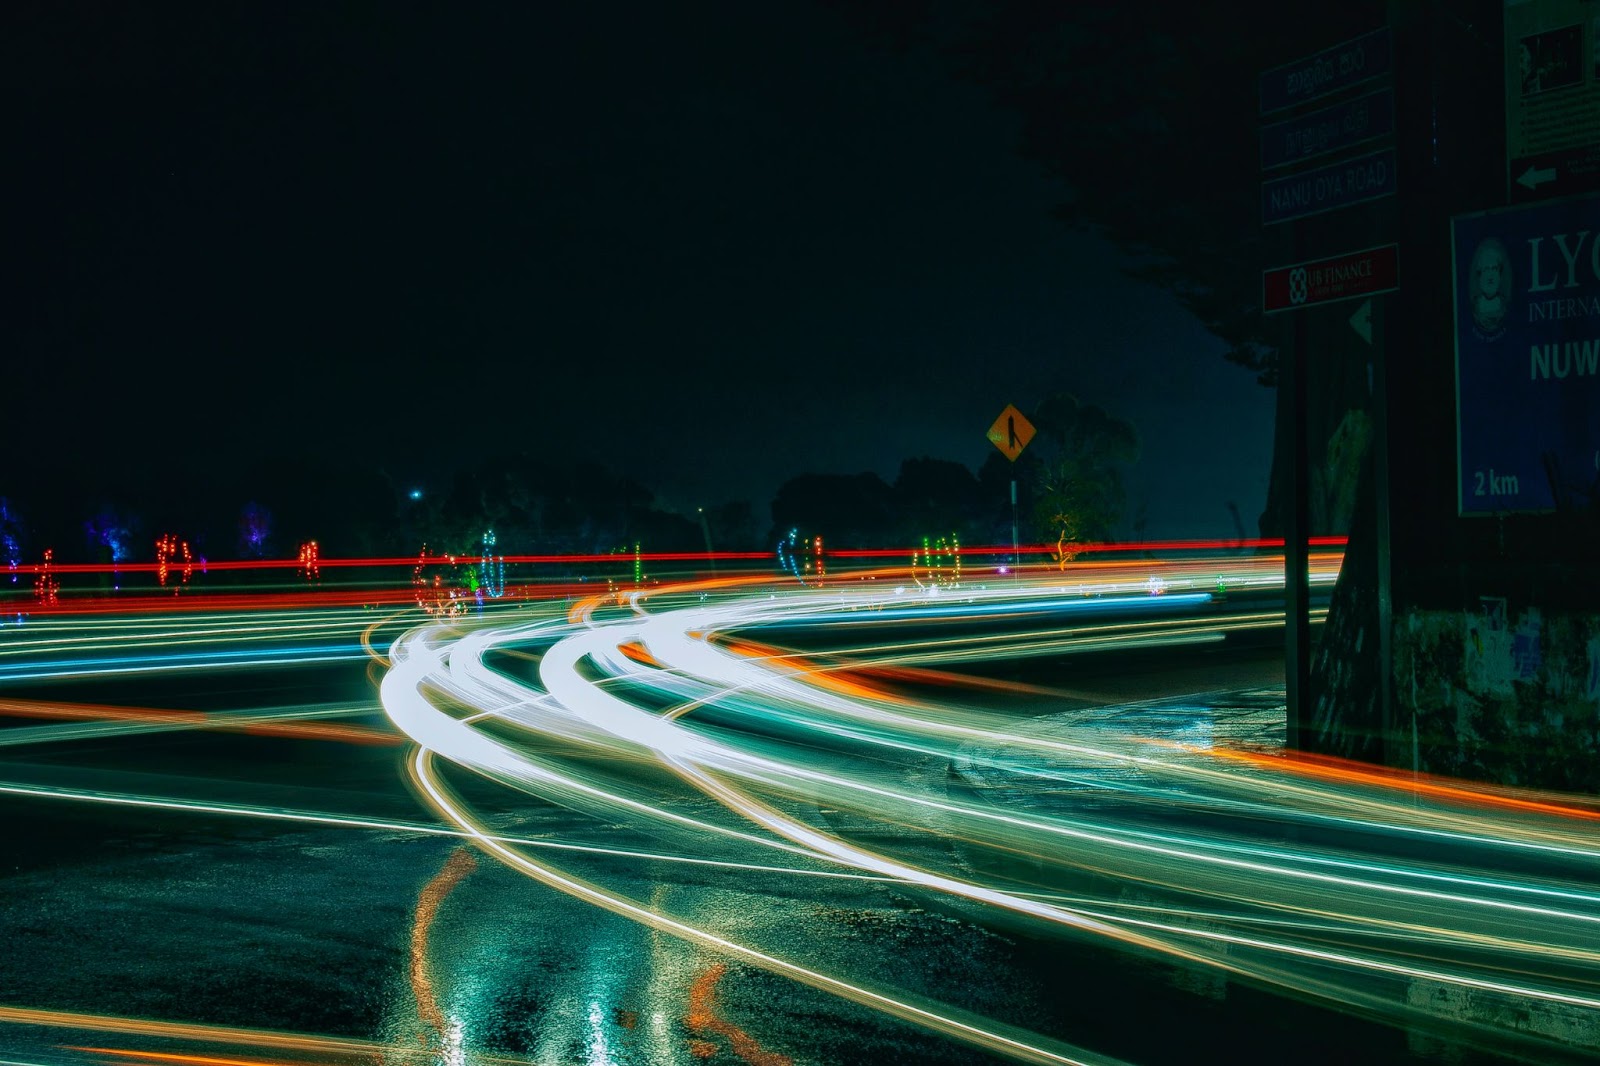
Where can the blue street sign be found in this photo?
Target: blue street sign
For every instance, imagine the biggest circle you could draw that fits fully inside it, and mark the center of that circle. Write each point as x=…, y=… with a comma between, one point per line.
x=1353, y=181
x=1330, y=70
x=1527, y=319
x=1328, y=130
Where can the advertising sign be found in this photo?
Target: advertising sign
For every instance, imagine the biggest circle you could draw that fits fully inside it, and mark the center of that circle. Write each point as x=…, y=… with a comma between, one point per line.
x=1326, y=281
x=1552, y=98
x=1527, y=325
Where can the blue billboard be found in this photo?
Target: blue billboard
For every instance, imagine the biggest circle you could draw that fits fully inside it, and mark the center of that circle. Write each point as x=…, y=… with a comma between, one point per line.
x=1527, y=323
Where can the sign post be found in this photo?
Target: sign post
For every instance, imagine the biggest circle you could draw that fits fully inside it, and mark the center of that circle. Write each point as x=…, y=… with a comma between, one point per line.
x=1350, y=138
x=1011, y=433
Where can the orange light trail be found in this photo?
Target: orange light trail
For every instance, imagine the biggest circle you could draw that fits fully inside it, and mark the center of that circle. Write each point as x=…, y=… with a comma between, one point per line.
x=460, y=864
x=196, y=1060
x=1349, y=772
x=231, y=723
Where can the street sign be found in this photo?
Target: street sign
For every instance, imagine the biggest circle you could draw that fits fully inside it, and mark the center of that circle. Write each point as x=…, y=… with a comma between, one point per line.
x=1527, y=324
x=1011, y=432
x=1328, y=188
x=1328, y=71
x=1325, y=281
x=1327, y=130
x=1552, y=98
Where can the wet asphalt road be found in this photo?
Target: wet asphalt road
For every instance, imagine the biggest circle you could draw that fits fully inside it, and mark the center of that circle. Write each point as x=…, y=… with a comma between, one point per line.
x=389, y=942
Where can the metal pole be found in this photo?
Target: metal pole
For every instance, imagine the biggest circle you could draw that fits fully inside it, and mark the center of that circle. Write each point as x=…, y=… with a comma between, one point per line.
x=1296, y=561
x=1016, y=551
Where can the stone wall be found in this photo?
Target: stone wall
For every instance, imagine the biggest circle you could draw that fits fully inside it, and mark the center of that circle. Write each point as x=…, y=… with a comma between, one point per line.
x=1501, y=693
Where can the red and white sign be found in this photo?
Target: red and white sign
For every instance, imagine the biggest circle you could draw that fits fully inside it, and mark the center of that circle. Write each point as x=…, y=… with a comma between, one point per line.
x=1326, y=281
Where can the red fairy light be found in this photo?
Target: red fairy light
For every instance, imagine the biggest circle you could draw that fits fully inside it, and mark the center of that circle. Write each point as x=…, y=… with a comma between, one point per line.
x=310, y=561
x=173, y=554
x=440, y=598
x=46, y=588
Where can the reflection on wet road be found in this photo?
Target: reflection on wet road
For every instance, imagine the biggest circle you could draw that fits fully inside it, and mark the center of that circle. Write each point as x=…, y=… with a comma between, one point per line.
x=729, y=821
x=1424, y=904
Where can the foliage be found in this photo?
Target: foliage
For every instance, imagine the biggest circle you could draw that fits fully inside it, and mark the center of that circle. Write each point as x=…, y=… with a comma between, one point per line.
x=255, y=531
x=1078, y=454
x=850, y=510
x=937, y=494
x=1147, y=113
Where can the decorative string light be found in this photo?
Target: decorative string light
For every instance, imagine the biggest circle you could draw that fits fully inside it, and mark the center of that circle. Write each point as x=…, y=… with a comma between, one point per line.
x=110, y=532
x=46, y=588
x=938, y=563
x=801, y=559
x=438, y=597
x=10, y=540
x=788, y=557
x=310, y=561
x=614, y=586
x=255, y=527
x=173, y=554
x=494, y=568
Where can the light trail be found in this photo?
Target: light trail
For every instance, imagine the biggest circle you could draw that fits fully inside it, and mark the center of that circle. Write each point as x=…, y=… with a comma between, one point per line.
x=824, y=736
x=992, y=1037
x=340, y=1049
x=634, y=686
x=348, y=821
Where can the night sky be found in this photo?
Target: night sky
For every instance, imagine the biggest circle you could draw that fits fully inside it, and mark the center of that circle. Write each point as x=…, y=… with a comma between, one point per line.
x=713, y=246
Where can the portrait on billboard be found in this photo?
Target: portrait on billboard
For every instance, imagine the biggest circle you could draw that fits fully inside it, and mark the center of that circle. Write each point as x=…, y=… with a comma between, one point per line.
x=1489, y=287
x=1551, y=60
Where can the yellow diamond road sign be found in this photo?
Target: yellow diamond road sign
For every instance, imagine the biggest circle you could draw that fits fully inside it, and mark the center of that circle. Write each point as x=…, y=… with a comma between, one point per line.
x=1011, y=432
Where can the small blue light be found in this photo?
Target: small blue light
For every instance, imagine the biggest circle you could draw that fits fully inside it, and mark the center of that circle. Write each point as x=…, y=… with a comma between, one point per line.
x=416, y=494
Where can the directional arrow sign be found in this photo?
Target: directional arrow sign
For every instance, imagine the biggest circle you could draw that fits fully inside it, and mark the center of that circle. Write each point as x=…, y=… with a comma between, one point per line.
x=1361, y=321
x=1532, y=178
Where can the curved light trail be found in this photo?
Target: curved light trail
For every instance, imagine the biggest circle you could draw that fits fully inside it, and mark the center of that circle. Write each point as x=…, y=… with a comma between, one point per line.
x=686, y=714
x=792, y=743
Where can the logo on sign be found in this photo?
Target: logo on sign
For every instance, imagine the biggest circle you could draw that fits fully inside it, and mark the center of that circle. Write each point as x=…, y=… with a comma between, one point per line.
x=1488, y=285
x=1341, y=277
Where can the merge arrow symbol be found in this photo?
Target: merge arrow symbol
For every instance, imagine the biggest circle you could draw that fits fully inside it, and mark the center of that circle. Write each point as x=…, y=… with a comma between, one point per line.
x=1533, y=177
x=1361, y=321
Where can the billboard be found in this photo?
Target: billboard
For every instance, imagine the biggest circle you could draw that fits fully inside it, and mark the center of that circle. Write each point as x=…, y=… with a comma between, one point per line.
x=1552, y=98
x=1527, y=331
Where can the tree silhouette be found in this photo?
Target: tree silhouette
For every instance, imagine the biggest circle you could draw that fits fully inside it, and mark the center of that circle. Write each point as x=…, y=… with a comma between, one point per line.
x=935, y=497
x=849, y=510
x=1078, y=455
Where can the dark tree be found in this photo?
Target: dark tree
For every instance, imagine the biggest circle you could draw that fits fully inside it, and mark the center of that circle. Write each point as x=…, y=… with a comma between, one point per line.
x=846, y=510
x=1147, y=113
x=1078, y=457
x=936, y=497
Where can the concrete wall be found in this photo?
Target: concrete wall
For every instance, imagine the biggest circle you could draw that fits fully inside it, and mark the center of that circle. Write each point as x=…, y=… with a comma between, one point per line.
x=1501, y=693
